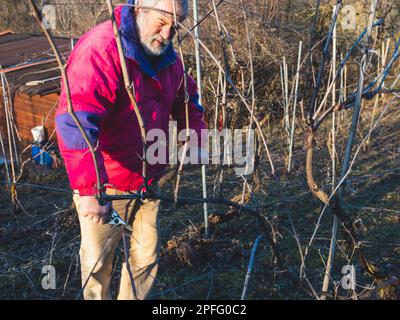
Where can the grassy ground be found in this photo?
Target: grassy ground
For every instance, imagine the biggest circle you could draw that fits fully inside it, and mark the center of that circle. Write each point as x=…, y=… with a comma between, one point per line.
x=46, y=231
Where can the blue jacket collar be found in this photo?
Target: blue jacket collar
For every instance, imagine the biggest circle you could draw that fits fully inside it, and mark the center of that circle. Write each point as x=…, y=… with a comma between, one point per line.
x=133, y=49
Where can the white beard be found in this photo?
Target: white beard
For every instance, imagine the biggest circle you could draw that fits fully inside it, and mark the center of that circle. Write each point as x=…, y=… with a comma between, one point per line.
x=147, y=44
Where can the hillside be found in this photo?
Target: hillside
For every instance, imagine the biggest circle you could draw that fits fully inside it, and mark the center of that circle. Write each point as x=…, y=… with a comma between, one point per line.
x=251, y=66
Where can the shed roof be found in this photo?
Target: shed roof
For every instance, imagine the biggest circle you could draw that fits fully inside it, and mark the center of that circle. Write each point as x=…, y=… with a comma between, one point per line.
x=29, y=63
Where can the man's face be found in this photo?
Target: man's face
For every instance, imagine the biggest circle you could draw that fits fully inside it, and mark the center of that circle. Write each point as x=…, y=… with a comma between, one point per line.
x=156, y=28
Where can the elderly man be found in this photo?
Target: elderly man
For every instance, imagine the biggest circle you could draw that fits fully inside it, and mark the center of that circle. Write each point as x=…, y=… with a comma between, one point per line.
x=102, y=105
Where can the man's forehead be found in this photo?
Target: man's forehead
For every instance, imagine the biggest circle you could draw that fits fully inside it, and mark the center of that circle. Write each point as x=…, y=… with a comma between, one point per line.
x=167, y=14
x=168, y=10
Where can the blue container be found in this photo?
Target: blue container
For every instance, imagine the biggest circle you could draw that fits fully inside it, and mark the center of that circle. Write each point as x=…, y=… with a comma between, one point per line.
x=41, y=157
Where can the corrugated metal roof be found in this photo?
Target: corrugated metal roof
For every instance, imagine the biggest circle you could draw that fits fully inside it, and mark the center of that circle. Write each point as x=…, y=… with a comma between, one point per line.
x=27, y=58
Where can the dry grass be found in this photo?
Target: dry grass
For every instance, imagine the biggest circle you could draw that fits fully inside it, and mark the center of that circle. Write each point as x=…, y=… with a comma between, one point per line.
x=46, y=230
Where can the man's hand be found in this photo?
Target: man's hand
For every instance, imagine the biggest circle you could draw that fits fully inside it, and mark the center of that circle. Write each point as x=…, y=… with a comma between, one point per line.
x=89, y=207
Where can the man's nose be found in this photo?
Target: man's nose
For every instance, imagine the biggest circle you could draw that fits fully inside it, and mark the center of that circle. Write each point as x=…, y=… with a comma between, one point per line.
x=167, y=32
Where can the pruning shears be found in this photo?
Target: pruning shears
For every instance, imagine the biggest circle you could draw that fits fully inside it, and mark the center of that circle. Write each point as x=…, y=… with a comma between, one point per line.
x=116, y=220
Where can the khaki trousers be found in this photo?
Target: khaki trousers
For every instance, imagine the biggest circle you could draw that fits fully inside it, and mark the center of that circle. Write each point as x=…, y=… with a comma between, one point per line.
x=98, y=244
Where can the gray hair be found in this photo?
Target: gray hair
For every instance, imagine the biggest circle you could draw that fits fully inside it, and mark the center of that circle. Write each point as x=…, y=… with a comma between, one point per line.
x=181, y=4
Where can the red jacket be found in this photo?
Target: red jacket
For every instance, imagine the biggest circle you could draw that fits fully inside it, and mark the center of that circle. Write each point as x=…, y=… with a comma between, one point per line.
x=103, y=107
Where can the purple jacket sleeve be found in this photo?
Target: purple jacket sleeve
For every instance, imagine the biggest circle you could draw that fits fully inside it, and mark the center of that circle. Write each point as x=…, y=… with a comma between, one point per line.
x=94, y=77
